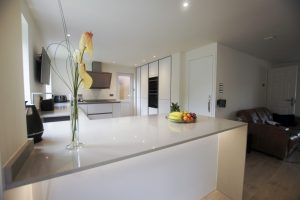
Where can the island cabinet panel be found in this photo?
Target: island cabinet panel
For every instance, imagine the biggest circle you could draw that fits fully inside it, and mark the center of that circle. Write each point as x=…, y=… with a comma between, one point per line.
x=187, y=171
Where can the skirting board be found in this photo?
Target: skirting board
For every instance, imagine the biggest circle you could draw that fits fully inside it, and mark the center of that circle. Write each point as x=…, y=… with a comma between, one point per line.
x=13, y=166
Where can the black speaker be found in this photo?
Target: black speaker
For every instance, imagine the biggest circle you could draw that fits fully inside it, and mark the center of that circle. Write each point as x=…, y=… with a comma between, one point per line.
x=35, y=128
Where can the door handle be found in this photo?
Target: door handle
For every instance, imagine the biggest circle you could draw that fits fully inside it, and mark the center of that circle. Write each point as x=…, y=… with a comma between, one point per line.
x=291, y=100
x=208, y=106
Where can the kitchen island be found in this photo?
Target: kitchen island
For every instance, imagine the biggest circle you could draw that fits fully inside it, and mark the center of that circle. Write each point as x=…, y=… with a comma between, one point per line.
x=138, y=158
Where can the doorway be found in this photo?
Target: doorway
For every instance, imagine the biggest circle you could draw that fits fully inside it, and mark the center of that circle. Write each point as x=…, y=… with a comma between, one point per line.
x=125, y=93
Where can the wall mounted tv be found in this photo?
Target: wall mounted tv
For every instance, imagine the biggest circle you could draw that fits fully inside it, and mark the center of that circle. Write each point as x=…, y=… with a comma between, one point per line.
x=43, y=68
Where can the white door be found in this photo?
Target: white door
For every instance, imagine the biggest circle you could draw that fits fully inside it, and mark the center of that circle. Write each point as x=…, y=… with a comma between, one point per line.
x=282, y=84
x=125, y=93
x=200, y=86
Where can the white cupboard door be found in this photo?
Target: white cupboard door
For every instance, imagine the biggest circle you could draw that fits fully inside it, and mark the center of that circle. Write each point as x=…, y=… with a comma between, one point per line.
x=200, y=86
x=144, y=81
x=164, y=106
x=116, y=109
x=153, y=69
x=99, y=108
x=144, y=90
x=164, y=78
x=144, y=106
x=282, y=89
x=138, y=90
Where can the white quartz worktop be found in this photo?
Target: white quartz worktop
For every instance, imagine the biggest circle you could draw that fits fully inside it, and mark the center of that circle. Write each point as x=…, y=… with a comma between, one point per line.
x=110, y=140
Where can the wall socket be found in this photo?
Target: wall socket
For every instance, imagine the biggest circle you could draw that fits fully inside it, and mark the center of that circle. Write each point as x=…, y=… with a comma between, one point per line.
x=111, y=95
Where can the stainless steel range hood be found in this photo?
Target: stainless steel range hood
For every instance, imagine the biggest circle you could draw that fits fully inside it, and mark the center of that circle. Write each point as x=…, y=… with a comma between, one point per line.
x=101, y=80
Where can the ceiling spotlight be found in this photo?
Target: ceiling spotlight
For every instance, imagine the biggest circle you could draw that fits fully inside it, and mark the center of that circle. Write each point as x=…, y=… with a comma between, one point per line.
x=68, y=35
x=185, y=4
x=270, y=37
x=154, y=56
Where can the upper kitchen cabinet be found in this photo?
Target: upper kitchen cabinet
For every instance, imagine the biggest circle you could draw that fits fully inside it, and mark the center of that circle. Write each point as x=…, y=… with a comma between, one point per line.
x=153, y=69
x=164, y=82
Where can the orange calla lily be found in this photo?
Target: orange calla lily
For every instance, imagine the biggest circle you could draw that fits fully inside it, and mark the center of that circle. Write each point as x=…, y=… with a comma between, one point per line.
x=86, y=43
x=86, y=78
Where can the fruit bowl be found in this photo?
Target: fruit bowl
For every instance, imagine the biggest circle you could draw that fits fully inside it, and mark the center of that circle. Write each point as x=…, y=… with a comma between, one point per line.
x=182, y=121
x=182, y=117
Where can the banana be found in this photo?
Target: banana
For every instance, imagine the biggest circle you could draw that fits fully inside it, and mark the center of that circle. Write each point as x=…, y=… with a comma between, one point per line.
x=175, y=115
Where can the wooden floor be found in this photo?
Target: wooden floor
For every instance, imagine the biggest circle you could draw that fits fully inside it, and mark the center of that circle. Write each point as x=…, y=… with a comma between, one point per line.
x=267, y=178
x=215, y=196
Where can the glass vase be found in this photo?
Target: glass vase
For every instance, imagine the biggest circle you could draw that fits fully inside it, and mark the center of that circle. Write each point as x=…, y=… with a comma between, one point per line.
x=74, y=121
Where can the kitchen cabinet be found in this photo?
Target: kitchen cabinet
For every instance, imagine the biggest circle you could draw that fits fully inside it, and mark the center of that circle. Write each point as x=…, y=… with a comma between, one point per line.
x=153, y=69
x=164, y=89
x=101, y=110
x=144, y=90
x=138, y=90
x=161, y=69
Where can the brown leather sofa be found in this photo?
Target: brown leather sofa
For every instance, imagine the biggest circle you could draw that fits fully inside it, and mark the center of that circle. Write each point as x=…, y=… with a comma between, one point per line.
x=276, y=140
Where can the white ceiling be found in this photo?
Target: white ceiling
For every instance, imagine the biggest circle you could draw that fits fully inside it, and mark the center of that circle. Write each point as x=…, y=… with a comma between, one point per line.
x=128, y=31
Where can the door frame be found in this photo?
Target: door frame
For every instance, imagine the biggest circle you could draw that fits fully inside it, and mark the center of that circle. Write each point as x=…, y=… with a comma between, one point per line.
x=214, y=78
x=132, y=89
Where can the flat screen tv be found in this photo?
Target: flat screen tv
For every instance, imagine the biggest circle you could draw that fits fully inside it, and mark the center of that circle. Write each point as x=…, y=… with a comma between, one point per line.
x=43, y=68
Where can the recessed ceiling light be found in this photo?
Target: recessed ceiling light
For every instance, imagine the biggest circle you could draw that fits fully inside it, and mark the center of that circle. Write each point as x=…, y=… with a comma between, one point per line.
x=135, y=64
x=114, y=62
x=68, y=35
x=154, y=56
x=144, y=60
x=185, y=4
x=270, y=37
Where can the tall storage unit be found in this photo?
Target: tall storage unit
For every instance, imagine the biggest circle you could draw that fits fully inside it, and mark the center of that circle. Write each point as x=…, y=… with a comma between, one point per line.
x=164, y=91
x=160, y=73
x=138, y=91
x=144, y=90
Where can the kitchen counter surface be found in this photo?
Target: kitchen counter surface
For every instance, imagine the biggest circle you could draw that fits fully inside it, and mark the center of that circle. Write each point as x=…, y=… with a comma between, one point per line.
x=110, y=140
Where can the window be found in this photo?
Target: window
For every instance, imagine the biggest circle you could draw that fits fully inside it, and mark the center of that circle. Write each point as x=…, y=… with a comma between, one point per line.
x=25, y=51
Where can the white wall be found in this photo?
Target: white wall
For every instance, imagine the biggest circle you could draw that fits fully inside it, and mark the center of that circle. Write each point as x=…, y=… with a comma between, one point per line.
x=13, y=125
x=58, y=86
x=12, y=120
x=243, y=77
x=35, y=48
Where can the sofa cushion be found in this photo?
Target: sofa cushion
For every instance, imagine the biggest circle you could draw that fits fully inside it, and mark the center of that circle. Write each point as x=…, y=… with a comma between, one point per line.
x=285, y=120
x=264, y=114
x=249, y=116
